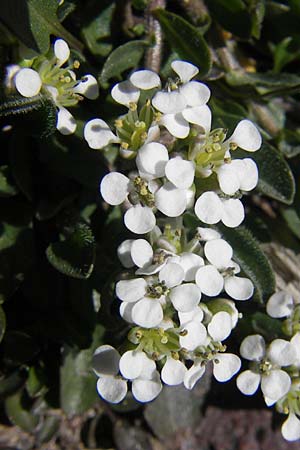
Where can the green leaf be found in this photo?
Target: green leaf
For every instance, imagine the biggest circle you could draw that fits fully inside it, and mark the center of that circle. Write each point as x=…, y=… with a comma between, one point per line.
x=275, y=176
x=78, y=383
x=186, y=40
x=283, y=53
x=75, y=256
x=267, y=326
x=232, y=15
x=7, y=187
x=122, y=58
x=292, y=219
x=2, y=323
x=18, y=412
x=12, y=382
x=255, y=265
x=98, y=29
x=33, y=21
x=266, y=83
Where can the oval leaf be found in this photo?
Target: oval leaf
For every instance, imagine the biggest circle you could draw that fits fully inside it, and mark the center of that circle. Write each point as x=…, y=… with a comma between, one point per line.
x=122, y=58
x=247, y=253
x=186, y=40
x=18, y=413
x=275, y=176
x=75, y=256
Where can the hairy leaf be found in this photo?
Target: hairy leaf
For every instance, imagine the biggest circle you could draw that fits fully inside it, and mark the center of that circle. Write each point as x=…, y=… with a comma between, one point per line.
x=186, y=40
x=247, y=253
x=122, y=58
x=75, y=256
x=33, y=21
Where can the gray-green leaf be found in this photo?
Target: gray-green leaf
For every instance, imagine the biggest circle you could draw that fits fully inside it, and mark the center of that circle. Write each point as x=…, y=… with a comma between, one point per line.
x=75, y=256
x=247, y=253
x=186, y=40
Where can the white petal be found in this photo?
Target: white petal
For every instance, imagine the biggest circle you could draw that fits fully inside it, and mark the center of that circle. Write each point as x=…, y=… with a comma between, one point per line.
x=153, y=134
x=196, y=315
x=218, y=252
x=148, y=368
x=125, y=311
x=131, y=290
x=170, y=200
x=281, y=352
x=106, y=360
x=291, y=428
x=169, y=102
x=172, y=274
x=180, y=172
x=145, y=79
x=146, y=390
x=185, y=70
x=209, y=280
x=28, y=82
x=228, y=365
x=195, y=93
x=238, y=288
x=98, y=134
x=139, y=219
x=112, y=389
x=248, y=382
x=114, y=188
x=247, y=172
x=185, y=297
x=220, y=326
x=66, y=123
x=206, y=234
x=125, y=93
x=131, y=364
x=193, y=375
x=280, y=304
x=141, y=252
x=209, y=208
x=253, y=348
x=173, y=372
x=147, y=313
x=196, y=335
x=246, y=136
x=190, y=262
x=295, y=341
x=176, y=125
x=124, y=253
x=61, y=51
x=87, y=86
x=228, y=178
x=276, y=384
x=269, y=401
x=233, y=212
x=152, y=158
x=198, y=115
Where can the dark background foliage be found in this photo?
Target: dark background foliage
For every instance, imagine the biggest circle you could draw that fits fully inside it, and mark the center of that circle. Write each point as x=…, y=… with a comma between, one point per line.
x=58, y=240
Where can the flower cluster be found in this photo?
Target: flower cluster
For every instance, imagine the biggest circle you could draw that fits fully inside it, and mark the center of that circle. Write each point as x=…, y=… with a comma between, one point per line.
x=51, y=76
x=179, y=294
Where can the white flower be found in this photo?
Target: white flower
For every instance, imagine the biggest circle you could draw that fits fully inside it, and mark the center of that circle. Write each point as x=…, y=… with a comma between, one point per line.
x=137, y=367
x=110, y=385
x=148, y=298
x=184, y=103
x=58, y=82
x=266, y=367
x=115, y=188
x=239, y=174
x=211, y=209
x=220, y=273
x=291, y=428
x=225, y=366
x=129, y=91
